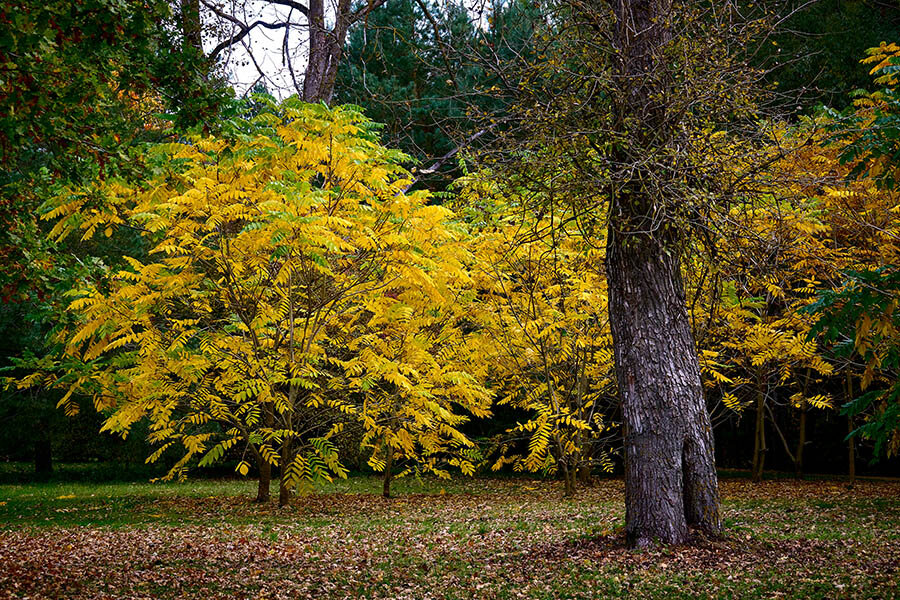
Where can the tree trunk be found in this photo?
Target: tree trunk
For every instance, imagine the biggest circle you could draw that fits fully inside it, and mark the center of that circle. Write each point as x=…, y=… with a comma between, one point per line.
x=568, y=479
x=388, y=471
x=285, y=483
x=670, y=475
x=585, y=476
x=326, y=47
x=759, y=440
x=265, y=467
x=801, y=436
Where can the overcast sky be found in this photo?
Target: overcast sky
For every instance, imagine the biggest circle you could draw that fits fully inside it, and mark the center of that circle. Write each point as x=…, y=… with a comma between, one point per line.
x=260, y=57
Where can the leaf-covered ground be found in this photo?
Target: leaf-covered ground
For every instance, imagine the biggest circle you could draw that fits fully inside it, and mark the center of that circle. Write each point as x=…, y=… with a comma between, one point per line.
x=475, y=539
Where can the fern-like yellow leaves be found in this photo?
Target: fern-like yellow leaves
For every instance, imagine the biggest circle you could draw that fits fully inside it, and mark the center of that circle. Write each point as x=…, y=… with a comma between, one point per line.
x=291, y=284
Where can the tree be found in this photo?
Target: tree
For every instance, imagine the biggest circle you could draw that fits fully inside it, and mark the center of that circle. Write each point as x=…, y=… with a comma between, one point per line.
x=429, y=70
x=82, y=85
x=810, y=56
x=397, y=67
x=542, y=311
x=638, y=96
x=321, y=29
x=858, y=317
x=272, y=249
x=413, y=371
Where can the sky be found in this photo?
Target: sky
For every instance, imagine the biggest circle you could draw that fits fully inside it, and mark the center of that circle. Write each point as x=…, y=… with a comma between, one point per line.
x=265, y=56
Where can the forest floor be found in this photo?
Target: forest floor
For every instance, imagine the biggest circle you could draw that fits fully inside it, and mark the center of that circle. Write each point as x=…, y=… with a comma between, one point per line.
x=483, y=538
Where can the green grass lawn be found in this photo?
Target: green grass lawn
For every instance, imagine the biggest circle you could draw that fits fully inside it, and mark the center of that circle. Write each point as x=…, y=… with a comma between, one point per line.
x=482, y=538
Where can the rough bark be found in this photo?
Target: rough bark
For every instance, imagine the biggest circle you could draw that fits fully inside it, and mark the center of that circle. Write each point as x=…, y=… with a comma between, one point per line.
x=265, y=481
x=325, y=50
x=670, y=476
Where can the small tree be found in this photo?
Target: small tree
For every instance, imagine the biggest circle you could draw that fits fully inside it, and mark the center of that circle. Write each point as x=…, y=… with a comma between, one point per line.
x=542, y=310
x=413, y=373
x=267, y=247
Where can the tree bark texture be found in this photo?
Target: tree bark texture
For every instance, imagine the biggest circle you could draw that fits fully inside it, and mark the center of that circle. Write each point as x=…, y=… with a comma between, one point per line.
x=265, y=481
x=670, y=475
x=326, y=47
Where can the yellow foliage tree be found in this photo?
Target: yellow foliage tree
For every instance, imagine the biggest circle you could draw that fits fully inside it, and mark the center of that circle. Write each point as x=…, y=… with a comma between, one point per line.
x=542, y=310
x=265, y=294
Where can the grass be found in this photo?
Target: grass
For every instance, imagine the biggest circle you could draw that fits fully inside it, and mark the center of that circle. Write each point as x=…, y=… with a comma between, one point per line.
x=461, y=539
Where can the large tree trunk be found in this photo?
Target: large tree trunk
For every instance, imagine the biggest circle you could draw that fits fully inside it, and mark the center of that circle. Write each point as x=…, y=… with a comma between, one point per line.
x=670, y=475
